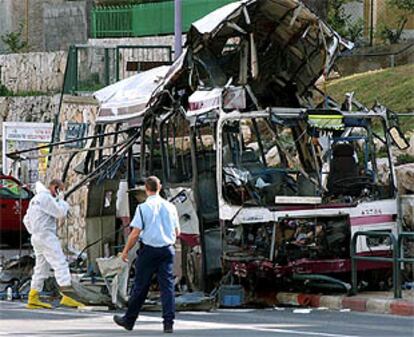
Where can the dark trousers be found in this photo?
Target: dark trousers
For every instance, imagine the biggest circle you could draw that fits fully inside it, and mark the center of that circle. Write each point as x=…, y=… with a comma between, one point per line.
x=152, y=260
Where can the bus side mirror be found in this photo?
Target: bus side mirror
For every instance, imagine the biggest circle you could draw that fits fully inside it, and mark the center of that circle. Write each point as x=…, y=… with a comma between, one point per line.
x=398, y=138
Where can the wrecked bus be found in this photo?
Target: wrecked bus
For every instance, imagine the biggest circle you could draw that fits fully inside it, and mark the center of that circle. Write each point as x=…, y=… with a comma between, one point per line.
x=295, y=188
x=270, y=184
x=274, y=196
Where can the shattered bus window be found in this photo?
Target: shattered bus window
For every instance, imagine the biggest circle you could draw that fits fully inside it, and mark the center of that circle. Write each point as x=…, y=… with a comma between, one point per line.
x=177, y=147
x=260, y=162
x=151, y=159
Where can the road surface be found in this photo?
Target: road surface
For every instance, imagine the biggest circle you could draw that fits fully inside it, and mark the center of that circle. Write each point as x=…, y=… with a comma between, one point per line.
x=15, y=320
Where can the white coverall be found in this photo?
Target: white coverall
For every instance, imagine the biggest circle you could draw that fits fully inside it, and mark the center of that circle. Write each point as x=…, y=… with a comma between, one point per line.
x=40, y=221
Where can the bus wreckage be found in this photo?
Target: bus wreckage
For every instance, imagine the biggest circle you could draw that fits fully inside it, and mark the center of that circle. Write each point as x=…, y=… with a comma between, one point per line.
x=270, y=183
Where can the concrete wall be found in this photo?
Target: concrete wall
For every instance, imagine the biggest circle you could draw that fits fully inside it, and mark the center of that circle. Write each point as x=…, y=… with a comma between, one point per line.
x=373, y=58
x=64, y=25
x=92, y=64
x=5, y=21
x=167, y=40
x=355, y=10
x=40, y=72
x=48, y=24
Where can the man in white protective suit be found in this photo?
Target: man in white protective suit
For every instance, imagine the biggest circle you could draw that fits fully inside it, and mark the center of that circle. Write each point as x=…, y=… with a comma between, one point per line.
x=45, y=208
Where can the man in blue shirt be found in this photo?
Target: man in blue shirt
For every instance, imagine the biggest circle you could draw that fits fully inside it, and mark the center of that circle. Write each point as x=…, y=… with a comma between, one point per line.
x=156, y=224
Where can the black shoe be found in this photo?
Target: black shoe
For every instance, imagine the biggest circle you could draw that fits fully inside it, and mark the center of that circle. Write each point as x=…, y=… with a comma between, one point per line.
x=168, y=328
x=121, y=322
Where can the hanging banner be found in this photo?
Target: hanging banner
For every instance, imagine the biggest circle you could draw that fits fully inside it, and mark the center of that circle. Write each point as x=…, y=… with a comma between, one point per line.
x=19, y=136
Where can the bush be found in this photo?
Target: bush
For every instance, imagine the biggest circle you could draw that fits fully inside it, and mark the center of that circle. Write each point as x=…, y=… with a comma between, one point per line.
x=343, y=23
x=4, y=91
x=13, y=41
x=392, y=36
x=405, y=159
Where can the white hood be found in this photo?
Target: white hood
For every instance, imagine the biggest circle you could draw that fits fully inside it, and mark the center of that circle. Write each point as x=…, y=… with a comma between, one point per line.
x=39, y=187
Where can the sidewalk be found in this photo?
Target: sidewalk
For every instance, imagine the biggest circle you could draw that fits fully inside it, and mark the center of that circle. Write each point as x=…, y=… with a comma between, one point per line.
x=374, y=302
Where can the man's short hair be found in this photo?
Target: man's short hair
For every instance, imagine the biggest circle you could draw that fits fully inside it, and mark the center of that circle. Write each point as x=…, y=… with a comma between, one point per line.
x=152, y=184
x=56, y=182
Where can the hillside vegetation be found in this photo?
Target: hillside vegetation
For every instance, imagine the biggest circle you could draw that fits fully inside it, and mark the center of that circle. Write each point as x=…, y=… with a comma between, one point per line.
x=392, y=87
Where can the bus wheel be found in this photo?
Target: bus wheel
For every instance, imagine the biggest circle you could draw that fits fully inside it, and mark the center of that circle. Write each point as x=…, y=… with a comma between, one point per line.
x=191, y=268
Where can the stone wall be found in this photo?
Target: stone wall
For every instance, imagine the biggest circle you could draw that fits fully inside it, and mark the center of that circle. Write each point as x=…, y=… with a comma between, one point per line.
x=72, y=231
x=33, y=72
x=27, y=109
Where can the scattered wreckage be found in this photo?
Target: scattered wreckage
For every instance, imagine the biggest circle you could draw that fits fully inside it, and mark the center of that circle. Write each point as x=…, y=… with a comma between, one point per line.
x=269, y=183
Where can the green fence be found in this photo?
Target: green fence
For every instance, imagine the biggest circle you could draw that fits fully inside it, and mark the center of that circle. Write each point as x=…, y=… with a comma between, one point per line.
x=91, y=68
x=114, y=21
x=148, y=19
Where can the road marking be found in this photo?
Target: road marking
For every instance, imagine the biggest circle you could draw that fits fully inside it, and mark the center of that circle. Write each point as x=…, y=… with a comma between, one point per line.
x=305, y=333
x=103, y=317
x=211, y=325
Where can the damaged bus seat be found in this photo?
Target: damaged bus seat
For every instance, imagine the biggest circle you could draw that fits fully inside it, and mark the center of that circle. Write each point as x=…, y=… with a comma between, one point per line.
x=343, y=166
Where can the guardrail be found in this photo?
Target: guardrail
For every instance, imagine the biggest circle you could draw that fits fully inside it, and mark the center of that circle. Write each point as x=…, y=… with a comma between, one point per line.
x=396, y=259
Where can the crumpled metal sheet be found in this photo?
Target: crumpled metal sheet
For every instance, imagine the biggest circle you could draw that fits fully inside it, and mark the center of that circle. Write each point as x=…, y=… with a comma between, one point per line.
x=128, y=99
x=90, y=294
x=115, y=272
x=17, y=269
x=291, y=44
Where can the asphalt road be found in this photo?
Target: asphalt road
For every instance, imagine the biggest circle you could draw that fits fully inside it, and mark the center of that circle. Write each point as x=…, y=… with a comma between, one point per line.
x=15, y=320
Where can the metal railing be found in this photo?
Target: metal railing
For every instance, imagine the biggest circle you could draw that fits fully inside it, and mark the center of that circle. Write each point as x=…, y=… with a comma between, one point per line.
x=91, y=68
x=112, y=21
x=148, y=19
x=396, y=259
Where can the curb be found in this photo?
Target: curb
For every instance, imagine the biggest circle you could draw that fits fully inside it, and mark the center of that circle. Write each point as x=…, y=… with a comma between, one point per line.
x=355, y=303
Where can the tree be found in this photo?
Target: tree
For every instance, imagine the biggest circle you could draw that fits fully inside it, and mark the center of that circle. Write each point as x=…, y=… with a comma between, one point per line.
x=403, y=5
x=342, y=22
x=406, y=8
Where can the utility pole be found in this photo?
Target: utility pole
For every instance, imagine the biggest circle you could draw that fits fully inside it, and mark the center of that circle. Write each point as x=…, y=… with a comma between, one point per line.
x=371, y=32
x=178, y=33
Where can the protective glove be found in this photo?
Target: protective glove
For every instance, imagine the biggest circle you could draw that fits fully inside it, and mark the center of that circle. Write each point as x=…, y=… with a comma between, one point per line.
x=60, y=196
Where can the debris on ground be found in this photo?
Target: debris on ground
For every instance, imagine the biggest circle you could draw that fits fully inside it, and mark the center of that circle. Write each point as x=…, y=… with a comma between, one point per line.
x=302, y=311
x=15, y=272
x=115, y=273
x=195, y=301
x=90, y=308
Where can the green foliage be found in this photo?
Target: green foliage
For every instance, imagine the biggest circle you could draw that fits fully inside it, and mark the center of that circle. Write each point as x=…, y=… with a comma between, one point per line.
x=356, y=30
x=392, y=87
x=403, y=5
x=342, y=22
x=4, y=91
x=390, y=35
x=13, y=41
x=405, y=159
